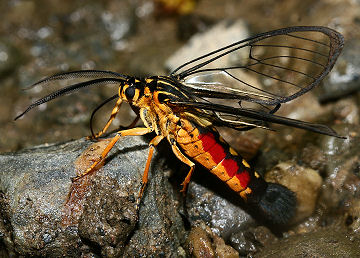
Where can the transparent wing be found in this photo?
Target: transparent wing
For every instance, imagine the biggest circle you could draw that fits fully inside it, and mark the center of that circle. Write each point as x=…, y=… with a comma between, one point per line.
x=269, y=69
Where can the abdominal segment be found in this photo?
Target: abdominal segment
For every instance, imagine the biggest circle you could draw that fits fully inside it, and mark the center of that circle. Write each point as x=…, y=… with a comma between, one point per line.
x=205, y=146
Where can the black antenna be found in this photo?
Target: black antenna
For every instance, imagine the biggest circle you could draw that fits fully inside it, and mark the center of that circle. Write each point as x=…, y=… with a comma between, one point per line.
x=70, y=89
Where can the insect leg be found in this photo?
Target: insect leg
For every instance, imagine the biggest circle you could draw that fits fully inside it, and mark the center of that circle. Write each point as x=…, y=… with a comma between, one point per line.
x=154, y=142
x=112, y=117
x=128, y=132
x=185, y=160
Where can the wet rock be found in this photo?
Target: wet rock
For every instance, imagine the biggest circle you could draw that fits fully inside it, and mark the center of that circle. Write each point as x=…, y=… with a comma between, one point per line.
x=226, y=215
x=337, y=161
x=305, y=182
x=252, y=240
x=161, y=231
x=327, y=242
x=326, y=153
x=106, y=222
x=221, y=211
x=347, y=111
x=342, y=159
x=202, y=242
x=310, y=224
x=314, y=157
x=220, y=35
x=35, y=187
x=353, y=216
x=344, y=79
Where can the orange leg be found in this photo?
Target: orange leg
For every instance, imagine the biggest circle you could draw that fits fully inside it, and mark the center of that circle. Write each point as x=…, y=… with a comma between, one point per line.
x=129, y=132
x=154, y=142
x=188, y=162
x=112, y=117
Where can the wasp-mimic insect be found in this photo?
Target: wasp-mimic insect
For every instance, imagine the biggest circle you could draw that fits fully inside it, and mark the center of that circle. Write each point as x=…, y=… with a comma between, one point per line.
x=242, y=92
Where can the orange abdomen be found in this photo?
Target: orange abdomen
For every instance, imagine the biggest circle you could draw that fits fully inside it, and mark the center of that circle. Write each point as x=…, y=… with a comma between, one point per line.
x=205, y=146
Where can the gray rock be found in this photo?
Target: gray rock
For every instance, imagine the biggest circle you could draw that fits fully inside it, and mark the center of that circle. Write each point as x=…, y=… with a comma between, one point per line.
x=344, y=79
x=323, y=243
x=221, y=210
x=44, y=214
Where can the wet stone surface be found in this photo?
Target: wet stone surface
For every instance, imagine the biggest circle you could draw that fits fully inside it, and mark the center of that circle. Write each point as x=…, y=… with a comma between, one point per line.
x=202, y=242
x=252, y=240
x=107, y=222
x=345, y=77
x=33, y=202
x=35, y=185
x=327, y=242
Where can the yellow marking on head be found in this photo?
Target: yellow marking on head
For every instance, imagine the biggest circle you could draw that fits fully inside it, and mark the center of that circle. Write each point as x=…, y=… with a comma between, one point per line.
x=245, y=163
x=122, y=91
x=256, y=174
x=233, y=152
x=137, y=93
x=148, y=80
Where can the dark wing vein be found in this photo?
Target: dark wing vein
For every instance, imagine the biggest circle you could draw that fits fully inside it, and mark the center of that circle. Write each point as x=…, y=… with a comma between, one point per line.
x=292, y=61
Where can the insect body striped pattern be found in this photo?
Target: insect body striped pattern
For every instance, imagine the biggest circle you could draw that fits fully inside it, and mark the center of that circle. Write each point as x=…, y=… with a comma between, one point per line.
x=186, y=106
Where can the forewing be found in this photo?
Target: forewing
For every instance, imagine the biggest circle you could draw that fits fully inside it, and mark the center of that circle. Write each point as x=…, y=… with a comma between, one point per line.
x=243, y=118
x=269, y=69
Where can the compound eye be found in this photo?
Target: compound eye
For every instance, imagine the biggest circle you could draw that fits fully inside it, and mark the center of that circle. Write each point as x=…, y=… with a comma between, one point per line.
x=130, y=92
